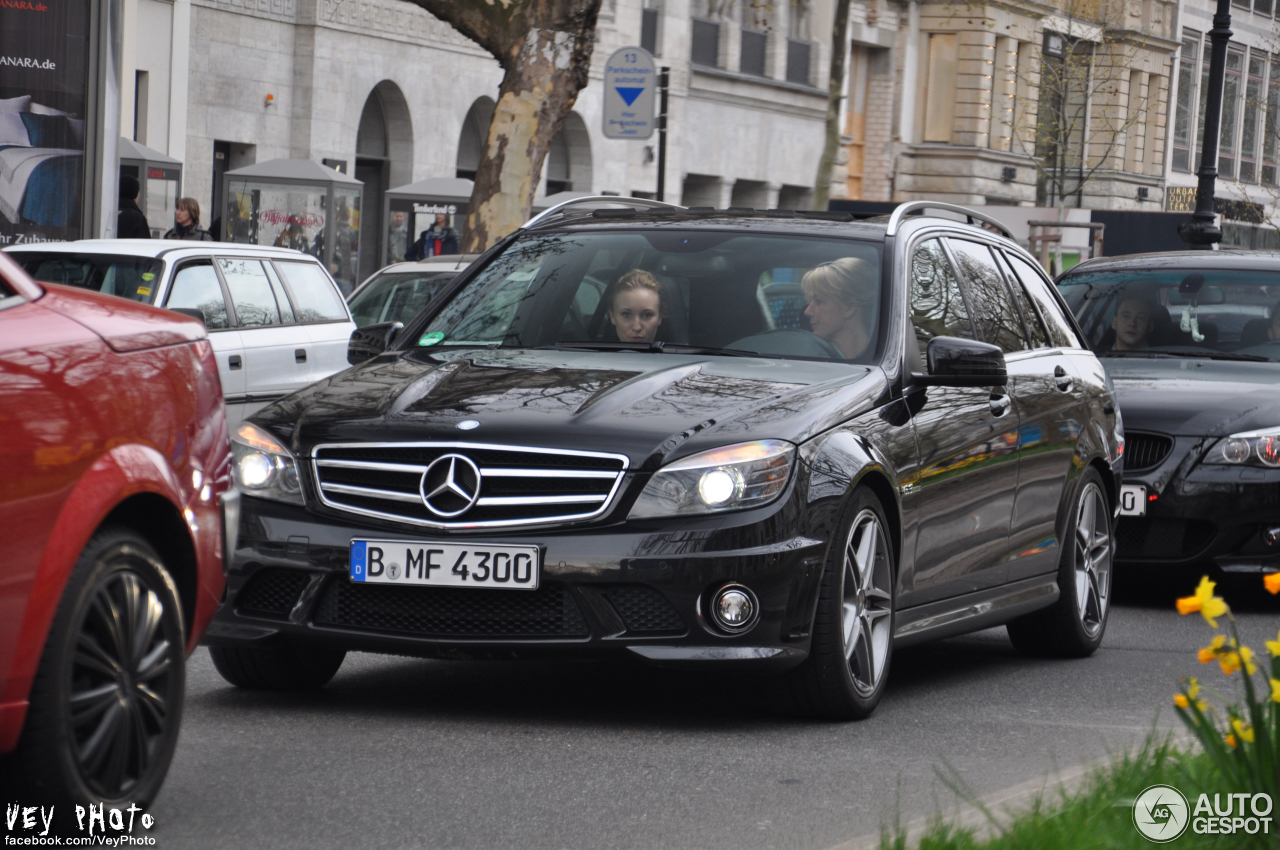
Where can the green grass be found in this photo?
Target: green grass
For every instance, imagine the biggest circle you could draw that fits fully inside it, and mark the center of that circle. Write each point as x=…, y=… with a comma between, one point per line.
x=1095, y=815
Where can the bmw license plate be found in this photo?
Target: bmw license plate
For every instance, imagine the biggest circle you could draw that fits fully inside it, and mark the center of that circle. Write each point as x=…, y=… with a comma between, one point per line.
x=1133, y=500
x=435, y=564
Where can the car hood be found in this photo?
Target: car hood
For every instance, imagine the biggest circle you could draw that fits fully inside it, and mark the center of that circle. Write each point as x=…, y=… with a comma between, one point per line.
x=1195, y=397
x=124, y=325
x=651, y=407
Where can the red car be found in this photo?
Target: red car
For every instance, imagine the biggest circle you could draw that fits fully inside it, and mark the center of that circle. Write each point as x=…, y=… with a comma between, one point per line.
x=114, y=495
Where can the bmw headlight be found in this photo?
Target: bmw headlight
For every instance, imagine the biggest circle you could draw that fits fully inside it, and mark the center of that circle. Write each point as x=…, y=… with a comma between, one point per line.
x=1251, y=448
x=262, y=467
x=744, y=475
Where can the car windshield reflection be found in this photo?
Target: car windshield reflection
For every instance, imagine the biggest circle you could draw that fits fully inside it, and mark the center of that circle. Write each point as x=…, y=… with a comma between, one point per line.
x=694, y=291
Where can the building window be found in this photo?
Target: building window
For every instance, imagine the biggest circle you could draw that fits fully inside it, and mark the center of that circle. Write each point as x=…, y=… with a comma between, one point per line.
x=753, y=47
x=798, y=61
x=1272, y=125
x=649, y=29
x=1228, y=139
x=799, y=48
x=1262, y=7
x=940, y=88
x=1252, y=112
x=1183, y=129
x=706, y=43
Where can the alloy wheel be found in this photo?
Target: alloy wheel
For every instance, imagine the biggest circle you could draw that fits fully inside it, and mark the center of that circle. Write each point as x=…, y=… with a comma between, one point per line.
x=1093, y=559
x=122, y=685
x=867, y=596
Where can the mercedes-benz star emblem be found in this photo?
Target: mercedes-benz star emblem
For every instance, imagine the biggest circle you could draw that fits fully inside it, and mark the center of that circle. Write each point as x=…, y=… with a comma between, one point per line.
x=450, y=486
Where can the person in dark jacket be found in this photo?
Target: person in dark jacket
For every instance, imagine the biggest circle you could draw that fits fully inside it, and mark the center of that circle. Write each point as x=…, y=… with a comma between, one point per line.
x=186, y=222
x=439, y=239
x=131, y=223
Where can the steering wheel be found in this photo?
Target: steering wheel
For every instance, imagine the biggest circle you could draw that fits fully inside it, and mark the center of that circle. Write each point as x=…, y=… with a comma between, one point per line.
x=788, y=341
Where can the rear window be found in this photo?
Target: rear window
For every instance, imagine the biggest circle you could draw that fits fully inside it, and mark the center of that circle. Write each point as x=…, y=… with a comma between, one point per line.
x=314, y=297
x=135, y=278
x=398, y=297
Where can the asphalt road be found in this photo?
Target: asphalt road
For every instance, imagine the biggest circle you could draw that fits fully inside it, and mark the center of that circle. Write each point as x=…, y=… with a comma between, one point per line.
x=402, y=752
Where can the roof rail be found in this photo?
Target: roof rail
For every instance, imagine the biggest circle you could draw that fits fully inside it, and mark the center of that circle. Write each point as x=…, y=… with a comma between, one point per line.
x=902, y=210
x=598, y=199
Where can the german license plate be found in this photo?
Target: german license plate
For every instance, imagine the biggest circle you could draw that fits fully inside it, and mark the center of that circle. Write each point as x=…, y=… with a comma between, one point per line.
x=1133, y=500
x=435, y=564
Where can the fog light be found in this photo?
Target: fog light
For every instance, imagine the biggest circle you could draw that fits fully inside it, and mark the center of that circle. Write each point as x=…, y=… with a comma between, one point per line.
x=734, y=608
x=1272, y=535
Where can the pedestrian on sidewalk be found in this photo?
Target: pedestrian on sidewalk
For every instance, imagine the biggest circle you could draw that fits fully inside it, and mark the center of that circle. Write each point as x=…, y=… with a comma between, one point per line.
x=186, y=222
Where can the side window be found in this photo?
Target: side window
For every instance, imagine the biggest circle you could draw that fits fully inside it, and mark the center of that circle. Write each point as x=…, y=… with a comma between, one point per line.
x=251, y=293
x=937, y=307
x=314, y=297
x=1036, y=333
x=282, y=297
x=1059, y=328
x=996, y=318
x=195, y=287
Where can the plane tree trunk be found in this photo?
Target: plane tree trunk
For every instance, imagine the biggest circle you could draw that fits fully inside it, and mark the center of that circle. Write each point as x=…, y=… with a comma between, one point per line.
x=544, y=48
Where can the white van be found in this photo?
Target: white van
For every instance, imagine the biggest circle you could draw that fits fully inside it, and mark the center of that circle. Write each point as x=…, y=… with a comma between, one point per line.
x=275, y=317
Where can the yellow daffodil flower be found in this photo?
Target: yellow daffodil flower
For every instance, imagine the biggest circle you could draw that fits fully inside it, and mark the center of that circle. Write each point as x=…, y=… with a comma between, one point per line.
x=1275, y=690
x=1181, y=701
x=1209, y=606
x=1246, y=655
x=1271, y=582
x=1244, y=730
x=1229, y=662
x=1193, y=688
x=1210, y=652
x=1273, y=646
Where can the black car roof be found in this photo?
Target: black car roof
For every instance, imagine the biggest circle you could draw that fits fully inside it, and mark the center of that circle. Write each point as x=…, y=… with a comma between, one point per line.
x=1241, y=260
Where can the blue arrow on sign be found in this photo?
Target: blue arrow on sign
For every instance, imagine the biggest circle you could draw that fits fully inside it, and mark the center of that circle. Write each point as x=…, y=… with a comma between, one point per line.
x=629, y=94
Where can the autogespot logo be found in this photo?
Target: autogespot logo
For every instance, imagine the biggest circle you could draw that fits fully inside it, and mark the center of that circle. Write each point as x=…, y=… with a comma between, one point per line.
x=1161, y=813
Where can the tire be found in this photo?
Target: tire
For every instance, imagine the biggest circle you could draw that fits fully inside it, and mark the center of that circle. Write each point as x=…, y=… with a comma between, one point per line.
x=848, y=665
x=106, y=702
x=1074, y=625
x=277, y=667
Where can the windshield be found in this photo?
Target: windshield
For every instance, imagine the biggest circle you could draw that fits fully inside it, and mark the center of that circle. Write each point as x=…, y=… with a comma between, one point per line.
x=710, y=291
x=135, y=278
x=397, y=297
x=1194, y=312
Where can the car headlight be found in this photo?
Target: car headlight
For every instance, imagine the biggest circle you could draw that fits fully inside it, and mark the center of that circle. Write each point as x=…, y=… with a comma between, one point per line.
x=262, y=467
x=744, y=475
x=1251, y=448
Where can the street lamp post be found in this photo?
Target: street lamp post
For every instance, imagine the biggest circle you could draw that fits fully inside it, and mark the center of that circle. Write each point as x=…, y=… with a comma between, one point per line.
x=1202, y=230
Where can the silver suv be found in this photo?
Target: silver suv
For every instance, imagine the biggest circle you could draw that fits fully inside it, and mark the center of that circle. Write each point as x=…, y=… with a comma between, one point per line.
x=275, y=317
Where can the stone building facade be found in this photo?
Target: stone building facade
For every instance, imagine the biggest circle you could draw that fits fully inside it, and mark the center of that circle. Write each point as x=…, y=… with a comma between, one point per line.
x=1248, y=191
x=944, y=101
x=392, y=95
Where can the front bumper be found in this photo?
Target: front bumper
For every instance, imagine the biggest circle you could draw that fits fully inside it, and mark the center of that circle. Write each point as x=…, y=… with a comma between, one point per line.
x=638, y=589
x=1203, y=513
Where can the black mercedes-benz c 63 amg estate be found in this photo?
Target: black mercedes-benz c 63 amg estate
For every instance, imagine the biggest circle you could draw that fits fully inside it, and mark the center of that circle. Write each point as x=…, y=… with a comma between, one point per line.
x=786, y=442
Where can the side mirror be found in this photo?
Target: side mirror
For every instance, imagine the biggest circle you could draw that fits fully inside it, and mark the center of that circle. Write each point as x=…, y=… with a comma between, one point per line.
x=193, y=312
x=371, y=340
x=956, y=362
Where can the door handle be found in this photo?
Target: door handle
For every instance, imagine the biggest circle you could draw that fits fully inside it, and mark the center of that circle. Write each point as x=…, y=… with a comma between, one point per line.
x=1000, y=404
x=300, y=355
x=1062, y=380
x=234, y=361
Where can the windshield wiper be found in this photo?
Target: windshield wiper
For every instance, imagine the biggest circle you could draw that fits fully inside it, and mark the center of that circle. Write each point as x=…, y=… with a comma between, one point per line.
x=657, y=347
x=1217, y=355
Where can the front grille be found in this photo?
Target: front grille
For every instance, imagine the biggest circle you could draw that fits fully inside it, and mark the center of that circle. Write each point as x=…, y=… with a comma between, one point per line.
x=1159, y=539
x=1145, y=451
x=549, y=611
x=272, y=592
x=644, y=609
x=517, y=485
